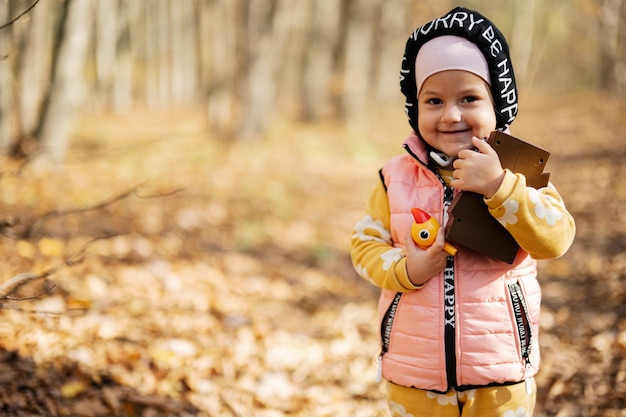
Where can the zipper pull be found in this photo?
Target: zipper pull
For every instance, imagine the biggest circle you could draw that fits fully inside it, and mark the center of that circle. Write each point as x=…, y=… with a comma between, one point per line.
x=527, y=371
x=379, y=368
x=441, y=158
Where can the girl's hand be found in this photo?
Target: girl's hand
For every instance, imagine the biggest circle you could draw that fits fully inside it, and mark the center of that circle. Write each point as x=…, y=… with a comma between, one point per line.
x=478, y=171
x=423, y=264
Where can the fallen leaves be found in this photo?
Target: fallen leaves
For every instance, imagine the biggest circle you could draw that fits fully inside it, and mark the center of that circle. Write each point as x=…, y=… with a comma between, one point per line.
x=236, y=296
x=250, y=346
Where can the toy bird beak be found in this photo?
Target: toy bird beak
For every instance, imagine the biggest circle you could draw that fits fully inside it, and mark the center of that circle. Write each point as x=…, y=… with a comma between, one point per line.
x=420, y=215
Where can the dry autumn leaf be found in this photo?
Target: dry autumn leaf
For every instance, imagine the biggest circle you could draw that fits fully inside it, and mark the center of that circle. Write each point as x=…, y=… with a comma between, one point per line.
x=25, y=249
x=51, y=247
x=72, y=389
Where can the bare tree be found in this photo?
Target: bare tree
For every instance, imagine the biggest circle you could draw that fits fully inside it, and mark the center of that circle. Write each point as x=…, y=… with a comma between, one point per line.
x=321, y=61
x=612, y=45
x=33, y=70
x=67, y=87
x=358, y=56
x=222, y=59
x=8, y=113
x=259, y=87
x=522, y=37
x=393, y=25
x=106, y=39
x=184, y=52
x=620, y=68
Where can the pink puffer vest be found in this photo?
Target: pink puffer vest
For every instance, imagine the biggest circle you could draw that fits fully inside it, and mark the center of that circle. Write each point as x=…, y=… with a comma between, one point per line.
x=496, y=305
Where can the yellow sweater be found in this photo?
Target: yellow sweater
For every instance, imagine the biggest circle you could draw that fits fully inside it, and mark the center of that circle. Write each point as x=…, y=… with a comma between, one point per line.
x=537, y=219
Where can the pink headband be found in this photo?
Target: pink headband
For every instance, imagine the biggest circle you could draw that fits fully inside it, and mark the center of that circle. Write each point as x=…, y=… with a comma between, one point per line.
x=446, y=53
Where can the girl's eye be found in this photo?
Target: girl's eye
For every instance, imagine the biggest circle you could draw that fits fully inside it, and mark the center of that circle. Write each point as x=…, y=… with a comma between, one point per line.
x=470, y=99
x=434, y=101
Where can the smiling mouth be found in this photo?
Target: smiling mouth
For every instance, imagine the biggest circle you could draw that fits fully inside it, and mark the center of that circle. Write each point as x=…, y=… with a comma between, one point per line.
x=455, y=132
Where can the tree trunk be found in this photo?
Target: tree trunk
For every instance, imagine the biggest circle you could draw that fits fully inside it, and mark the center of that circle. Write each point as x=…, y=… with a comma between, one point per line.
x=224, y=65
x=8, y=115
x=34, y=68
x=67, y=88
x=318, y=72
x=358, y=56
x=620, y=69
x=522, y=38
x=260, y=85
x=127, y=47
x=391, y=33
x=611, y=49
x=106, y=29
x=291, y=40
x=184, y=52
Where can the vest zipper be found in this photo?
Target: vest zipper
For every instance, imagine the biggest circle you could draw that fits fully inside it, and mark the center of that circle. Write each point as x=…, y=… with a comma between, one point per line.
x=449, y=297
x=522, y=323
x=449, y=293
x=449, y=300
x=385, y=332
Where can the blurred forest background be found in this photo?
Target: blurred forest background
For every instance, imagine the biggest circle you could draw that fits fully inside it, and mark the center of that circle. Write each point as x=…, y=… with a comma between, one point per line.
x=252, y=62
x=179, y=180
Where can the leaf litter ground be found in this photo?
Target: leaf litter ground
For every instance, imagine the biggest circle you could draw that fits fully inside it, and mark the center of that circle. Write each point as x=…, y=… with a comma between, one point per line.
x=222, y=286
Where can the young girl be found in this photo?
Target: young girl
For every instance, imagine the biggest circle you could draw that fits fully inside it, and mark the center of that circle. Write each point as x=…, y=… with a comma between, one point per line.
x=459, y=333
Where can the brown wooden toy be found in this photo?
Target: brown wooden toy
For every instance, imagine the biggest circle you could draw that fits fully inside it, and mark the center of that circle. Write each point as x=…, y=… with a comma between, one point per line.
x=471, y=225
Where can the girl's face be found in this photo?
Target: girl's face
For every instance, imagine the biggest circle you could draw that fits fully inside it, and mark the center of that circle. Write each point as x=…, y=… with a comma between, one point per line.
x=454, y=106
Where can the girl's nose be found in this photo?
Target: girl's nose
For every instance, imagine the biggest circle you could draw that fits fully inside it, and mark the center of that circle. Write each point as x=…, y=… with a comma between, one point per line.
x=451, y=113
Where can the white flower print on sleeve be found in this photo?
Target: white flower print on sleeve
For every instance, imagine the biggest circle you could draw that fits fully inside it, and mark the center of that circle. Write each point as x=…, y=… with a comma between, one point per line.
x=551, y=214
x=360, y=269
x=510, y=209
x=391, y=256
x=369, y=223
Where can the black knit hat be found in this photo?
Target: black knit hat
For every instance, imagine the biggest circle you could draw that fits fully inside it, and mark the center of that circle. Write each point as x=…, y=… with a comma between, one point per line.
x=479, y=30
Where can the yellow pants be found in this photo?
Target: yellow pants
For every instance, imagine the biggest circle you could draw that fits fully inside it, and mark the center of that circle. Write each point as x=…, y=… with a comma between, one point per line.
x=505, y=401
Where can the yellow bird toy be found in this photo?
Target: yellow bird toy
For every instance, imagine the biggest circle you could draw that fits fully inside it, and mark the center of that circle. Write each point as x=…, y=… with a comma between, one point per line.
x=424, y=231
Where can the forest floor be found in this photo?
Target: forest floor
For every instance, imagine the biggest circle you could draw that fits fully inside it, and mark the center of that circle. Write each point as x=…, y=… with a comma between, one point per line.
x=187, y=276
